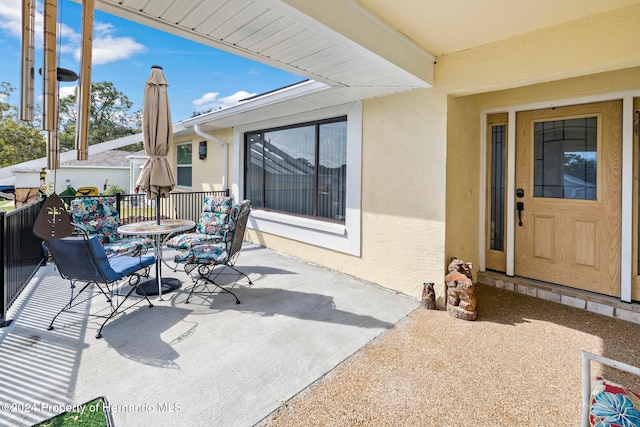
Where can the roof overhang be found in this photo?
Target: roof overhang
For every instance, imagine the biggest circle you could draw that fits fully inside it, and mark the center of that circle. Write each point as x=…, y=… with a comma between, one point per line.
x=335, y=42
x=303, y=97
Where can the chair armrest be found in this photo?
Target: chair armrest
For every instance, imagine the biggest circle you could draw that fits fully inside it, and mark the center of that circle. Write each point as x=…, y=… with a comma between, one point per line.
x=586, y=379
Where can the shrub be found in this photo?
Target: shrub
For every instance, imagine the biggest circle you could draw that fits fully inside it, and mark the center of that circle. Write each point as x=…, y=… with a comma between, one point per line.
x=114, y=189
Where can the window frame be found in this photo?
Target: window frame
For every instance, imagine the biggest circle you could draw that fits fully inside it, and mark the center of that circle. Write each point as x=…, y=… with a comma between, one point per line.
x=178, y=165
x=316, y=124
x=342, y=237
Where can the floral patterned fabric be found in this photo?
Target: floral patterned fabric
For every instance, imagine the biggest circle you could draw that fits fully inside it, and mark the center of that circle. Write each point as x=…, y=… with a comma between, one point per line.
x=99, y=217
x=210, y=253
x=188, y=240
x=206, y=252
x=220, y=204
x=613, y=405
x=214, y=224
x=215, y=211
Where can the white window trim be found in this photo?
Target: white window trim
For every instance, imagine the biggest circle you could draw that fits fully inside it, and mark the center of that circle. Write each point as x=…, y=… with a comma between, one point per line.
x=177, y=166
x=338, y=237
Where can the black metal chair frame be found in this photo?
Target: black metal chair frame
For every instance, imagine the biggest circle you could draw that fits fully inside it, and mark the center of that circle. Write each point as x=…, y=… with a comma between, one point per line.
x=100, y=279
x=204, y=271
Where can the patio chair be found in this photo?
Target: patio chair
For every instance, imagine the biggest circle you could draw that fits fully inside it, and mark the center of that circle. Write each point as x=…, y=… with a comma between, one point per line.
x=607, y=403
x=202, y=259
x=98, y=216
x=211, y=227
x=82, y=258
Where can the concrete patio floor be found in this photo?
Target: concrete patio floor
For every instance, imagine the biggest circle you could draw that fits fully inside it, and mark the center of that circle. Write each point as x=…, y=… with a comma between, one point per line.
x=207, y=363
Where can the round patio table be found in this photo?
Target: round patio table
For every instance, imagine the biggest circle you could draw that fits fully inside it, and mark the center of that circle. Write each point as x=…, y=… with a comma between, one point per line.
x=159, y=285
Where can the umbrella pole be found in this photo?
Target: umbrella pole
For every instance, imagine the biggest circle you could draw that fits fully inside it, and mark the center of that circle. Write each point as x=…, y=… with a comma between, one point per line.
x=158, y=250
x=158, y=209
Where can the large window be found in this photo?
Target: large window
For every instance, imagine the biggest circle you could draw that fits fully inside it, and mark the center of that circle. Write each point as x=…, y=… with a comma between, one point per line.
x=299, y=169
x=184, y=165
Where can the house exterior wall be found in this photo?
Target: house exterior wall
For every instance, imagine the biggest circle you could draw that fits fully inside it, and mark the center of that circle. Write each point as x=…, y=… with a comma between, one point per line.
x=88, y=176
x=463, y=174
x=465, y=155
x=402, y=206
x=422, y=160
x=595, y=44
x=206, y=173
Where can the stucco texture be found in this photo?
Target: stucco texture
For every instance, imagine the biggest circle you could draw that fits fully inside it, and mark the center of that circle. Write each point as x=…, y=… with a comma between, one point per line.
x=597, y=43
x=403, y=197
x=207, y=173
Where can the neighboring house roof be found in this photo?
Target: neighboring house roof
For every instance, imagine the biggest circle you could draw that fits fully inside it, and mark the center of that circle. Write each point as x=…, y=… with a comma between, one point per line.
x=37, y=164
x=112, y=158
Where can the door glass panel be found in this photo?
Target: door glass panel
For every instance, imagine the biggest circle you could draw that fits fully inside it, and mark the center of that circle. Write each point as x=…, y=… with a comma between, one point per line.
x=565, y=158
x=498, y=163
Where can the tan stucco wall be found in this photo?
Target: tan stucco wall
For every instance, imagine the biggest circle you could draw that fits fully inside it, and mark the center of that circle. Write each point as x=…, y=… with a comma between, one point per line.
x=403, y=197
x=586, y=57
x=463, y=145
x=421, y=154
x=598, y=43
x=579, y=87
x=463, y=180
x=207, y=173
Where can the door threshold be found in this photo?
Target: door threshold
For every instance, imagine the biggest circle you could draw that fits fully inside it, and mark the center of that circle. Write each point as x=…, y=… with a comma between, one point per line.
x=590, y=301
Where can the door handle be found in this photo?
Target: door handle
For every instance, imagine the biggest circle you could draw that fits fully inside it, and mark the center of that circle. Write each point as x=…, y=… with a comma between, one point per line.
x=520, y=208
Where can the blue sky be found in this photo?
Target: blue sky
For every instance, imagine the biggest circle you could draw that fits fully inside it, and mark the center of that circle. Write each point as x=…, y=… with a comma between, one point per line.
x=200, y=77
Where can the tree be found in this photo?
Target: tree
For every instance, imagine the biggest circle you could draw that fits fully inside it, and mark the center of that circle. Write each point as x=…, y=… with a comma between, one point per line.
x=580, y=167
x=200, y=113
x=19, y=141
x=109, y=116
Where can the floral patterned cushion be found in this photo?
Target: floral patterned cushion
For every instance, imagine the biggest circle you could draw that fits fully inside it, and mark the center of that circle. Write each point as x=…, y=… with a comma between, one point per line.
x=210, y=253
x=215, y=212
x=211, y=222
x=123, y=246
x=188, y=240
x=215, y=224
x=99, y=217
x=613, y=405
x=219, y=204
x=200, y=251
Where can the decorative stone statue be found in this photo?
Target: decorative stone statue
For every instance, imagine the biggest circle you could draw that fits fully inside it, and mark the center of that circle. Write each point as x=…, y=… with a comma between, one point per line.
x=461, y=302
x=428, y=296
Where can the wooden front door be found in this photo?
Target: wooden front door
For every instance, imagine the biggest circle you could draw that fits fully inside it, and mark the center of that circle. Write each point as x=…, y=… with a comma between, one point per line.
x=568, y=181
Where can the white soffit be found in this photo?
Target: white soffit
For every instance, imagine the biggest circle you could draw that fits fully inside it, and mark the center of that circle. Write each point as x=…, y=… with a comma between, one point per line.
x=371, y=55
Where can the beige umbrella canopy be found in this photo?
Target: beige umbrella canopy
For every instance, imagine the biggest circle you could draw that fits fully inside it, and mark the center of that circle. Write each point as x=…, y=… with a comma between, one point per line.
x=156, y=177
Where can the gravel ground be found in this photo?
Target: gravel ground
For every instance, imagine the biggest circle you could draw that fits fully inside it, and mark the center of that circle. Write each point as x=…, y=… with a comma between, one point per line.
x=518, y=364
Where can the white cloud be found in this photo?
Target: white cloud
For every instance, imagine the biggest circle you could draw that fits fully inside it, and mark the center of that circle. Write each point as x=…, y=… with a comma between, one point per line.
x=210, y=100
x=11, y=21
x=67, y=91
x=207, y=98
x=106, y=47
x=111, y=49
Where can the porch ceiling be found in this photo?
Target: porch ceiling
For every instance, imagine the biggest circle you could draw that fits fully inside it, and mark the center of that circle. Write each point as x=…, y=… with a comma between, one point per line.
x=354, y=49
x=275, y=33
x=353, y=43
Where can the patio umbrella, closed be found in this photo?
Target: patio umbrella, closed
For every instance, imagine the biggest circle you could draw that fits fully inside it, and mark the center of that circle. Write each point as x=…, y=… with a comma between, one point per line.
x=156, y=177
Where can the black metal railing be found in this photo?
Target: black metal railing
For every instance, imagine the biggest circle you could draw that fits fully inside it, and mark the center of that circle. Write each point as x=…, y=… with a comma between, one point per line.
x=20, y=252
